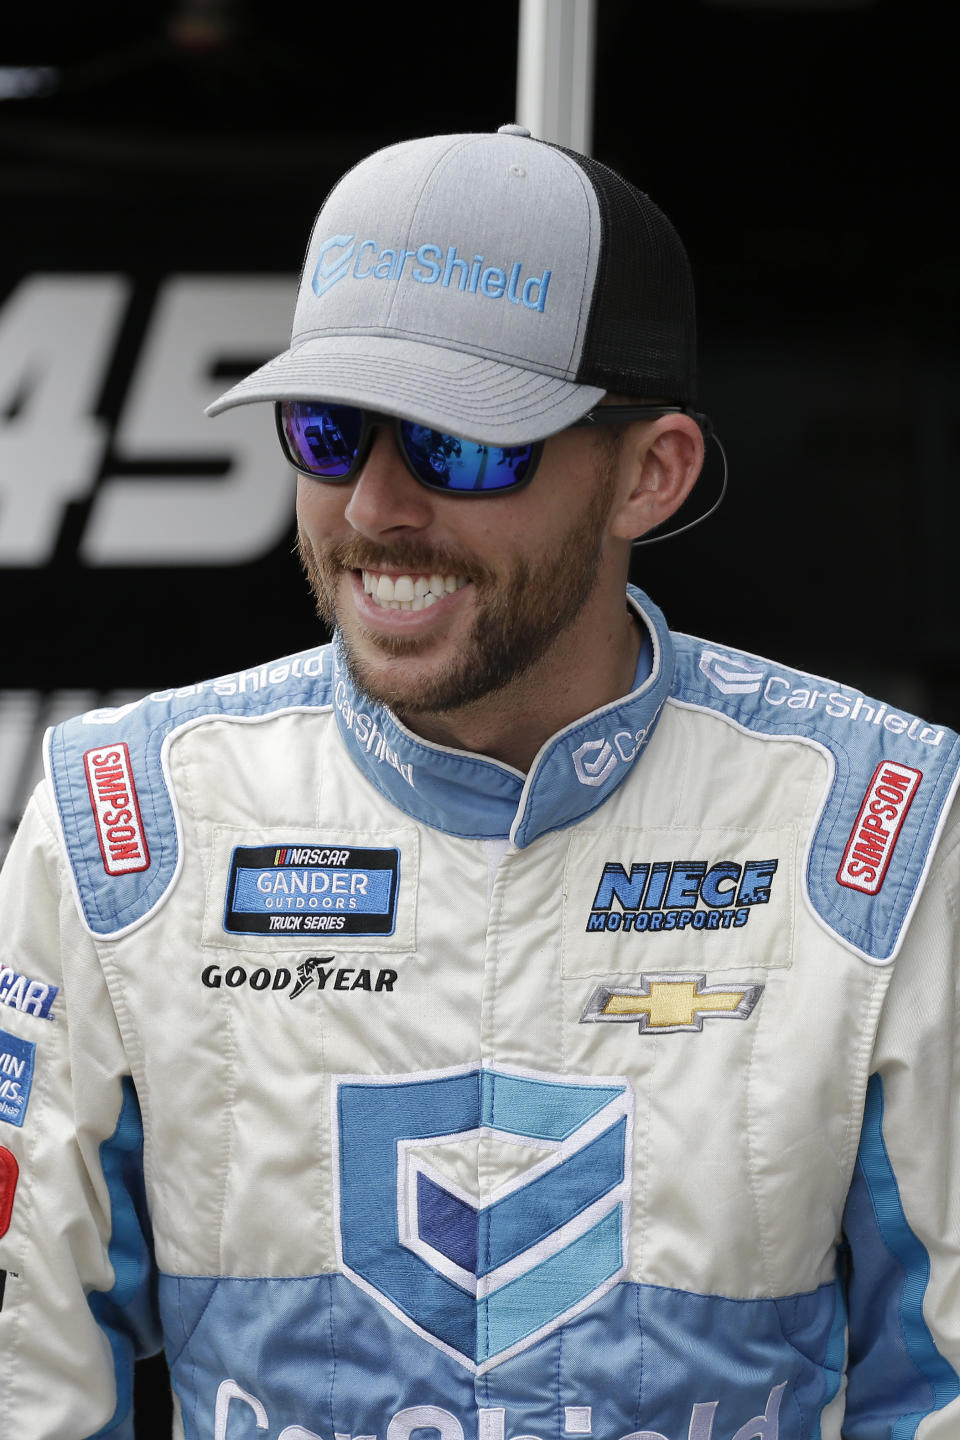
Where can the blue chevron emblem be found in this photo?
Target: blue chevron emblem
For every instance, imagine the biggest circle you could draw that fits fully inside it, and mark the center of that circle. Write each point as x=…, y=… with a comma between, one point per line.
x=480, y=1270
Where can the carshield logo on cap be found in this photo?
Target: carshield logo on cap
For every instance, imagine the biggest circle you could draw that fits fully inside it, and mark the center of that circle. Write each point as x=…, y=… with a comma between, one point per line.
x=328, y=272
x=430, y=264
x=482, y=1277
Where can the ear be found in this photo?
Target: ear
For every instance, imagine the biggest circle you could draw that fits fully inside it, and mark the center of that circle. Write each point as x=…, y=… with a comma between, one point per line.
x=658, y=466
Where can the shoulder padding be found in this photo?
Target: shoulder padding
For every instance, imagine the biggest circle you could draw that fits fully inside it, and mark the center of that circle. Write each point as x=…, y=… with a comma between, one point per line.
x=892, y=779
x=108, y=773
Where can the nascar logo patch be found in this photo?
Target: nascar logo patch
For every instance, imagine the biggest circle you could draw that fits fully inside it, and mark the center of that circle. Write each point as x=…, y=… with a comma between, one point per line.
x=312, y=889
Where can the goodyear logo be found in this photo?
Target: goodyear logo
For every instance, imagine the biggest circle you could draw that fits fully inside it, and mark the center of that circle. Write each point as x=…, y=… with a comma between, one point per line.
x=482, y=1277
x=666, y=895
x=308, y=889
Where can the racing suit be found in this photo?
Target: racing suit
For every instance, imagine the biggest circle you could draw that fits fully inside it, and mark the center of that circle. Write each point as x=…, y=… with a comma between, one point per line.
x=395, y=1091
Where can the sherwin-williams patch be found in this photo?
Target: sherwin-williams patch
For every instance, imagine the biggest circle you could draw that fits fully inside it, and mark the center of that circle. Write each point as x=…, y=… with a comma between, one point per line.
x=16, y=1077
x=312, y=889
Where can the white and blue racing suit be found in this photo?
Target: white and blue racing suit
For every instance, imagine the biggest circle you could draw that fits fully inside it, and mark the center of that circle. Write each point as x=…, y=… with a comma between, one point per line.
x=400, y=1094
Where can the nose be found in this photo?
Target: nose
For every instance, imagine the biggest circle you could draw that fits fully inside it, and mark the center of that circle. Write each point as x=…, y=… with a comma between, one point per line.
x=385, y=496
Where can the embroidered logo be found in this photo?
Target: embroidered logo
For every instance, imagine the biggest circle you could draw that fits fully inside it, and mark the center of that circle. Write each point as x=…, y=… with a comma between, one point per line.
x=328, y=272
x=318, y=969
x=16, y=1077
x=877, y=826
x=116, y=810
x=666, y=1004
x=663, y=895
x=730, y=674
x=365, y=731
x=738, y=675
x=430, y=264
x=490, y=1422
x=482, y=1276
x=308, y=889
x=32, y=997
x=595, y=760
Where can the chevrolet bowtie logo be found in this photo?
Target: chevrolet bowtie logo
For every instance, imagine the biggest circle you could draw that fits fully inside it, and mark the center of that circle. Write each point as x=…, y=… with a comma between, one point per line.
x=663, y=1004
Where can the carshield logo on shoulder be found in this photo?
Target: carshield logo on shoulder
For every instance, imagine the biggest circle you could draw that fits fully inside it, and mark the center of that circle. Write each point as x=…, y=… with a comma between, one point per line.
x=730, y=674
x=483, y=1276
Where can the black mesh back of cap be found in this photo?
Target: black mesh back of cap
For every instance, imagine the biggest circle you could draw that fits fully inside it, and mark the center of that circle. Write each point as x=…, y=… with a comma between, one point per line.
x=641, y=333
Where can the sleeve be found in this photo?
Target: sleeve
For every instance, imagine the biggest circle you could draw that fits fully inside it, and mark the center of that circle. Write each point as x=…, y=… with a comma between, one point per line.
x=902, y=1219
x=77, y=1277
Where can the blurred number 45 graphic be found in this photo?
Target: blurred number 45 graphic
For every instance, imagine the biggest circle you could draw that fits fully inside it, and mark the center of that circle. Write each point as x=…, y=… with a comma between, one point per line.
x=58, y=342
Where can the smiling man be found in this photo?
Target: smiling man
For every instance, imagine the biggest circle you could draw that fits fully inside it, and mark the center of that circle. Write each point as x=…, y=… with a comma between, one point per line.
x=511, y=1021
x=491, y=626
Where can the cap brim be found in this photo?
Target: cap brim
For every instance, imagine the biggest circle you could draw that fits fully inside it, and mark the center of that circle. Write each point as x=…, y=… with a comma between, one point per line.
x=467, y=395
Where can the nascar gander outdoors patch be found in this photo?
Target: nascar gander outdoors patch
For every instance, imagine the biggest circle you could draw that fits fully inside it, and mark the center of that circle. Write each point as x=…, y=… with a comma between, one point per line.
x=312, y=889
x=483, y=1270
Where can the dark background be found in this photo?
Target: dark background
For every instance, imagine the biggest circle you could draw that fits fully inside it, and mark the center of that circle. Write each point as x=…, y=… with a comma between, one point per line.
x=805, y=152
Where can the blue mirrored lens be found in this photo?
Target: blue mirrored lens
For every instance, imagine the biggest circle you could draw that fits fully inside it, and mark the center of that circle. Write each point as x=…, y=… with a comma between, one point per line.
x=449, y=463
x=323, y=439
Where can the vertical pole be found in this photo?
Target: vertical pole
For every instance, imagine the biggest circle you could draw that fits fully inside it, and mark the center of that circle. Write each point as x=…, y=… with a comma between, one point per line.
x=555, y=62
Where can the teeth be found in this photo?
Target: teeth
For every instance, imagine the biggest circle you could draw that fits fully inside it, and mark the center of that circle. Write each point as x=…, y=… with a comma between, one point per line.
x=403, y=592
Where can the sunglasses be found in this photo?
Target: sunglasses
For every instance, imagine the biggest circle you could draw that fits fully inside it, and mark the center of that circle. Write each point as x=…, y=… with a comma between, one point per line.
x=331, y=443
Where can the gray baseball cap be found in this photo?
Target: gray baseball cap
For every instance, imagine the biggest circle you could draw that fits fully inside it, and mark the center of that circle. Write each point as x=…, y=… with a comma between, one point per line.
x=490, y=285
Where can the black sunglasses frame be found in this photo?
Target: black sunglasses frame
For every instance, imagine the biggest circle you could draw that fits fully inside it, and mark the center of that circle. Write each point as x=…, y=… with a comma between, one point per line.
x=601, y=415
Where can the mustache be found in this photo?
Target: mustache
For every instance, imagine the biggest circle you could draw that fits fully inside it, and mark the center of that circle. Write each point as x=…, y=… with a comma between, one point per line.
x=359, y=553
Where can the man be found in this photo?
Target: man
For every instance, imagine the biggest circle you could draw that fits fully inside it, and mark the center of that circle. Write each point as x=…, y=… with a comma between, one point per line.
x=512, y=1020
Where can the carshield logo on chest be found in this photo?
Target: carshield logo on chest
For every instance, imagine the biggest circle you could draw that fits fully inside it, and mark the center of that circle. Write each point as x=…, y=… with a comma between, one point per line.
x=482, y=1273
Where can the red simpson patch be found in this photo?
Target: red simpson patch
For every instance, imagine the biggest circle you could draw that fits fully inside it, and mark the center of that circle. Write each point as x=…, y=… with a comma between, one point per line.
x=9, y=1174
x=876, y=828
x=113, y=796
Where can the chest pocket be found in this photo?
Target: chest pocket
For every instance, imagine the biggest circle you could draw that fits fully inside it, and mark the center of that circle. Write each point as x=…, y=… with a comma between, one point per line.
x=679, y=899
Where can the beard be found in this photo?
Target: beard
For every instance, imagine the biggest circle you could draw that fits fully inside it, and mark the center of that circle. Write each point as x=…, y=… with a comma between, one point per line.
x=519, y=614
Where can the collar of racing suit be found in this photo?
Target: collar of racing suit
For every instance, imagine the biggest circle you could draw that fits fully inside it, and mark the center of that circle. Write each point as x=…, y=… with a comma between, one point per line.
x=478, y=798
